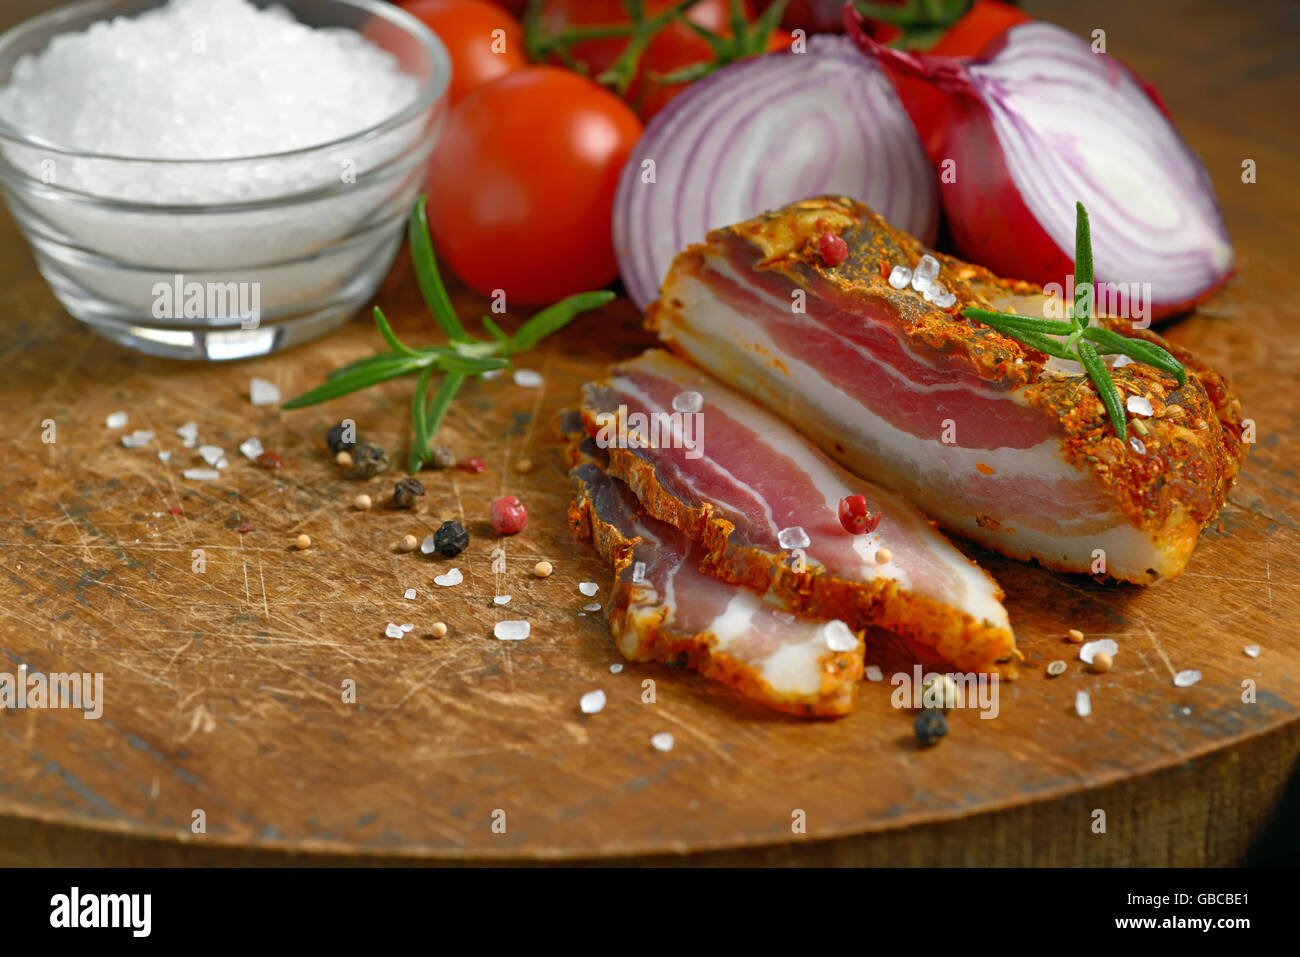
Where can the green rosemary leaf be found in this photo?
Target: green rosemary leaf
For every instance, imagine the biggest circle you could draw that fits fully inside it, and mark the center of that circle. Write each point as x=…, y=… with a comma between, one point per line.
x=447, y=390
x=556, y=317
x=426, y=274
x=1045, y=344
x=390, y=337
x=377, y=359
x=391, y=367
x=1009, y=320
x=495, y=331
x=419, y=402
x=1112, y=343
x=1100, y=377
x=472, y=365
x=1084, y=294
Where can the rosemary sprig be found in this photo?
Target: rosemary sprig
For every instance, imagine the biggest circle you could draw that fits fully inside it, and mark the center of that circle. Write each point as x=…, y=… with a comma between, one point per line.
x=1084, y=343
x=462, y=357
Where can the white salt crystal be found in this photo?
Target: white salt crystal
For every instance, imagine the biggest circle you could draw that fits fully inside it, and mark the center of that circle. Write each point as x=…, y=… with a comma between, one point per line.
x=116, y=420
x=793, y=537
x=500, y=599
x=490, y=374
x=427, y=546
x=899, y=277
x=588, y=588
x=528, y=378
x=393, y=631
x=1185, y=679
x=838, y=636
x=593, y=702
x=1137, y=445
x=1121, y=361
x=927, y=271
x=1252, y=650
x=512, y=630
x=409, y=593
x=137, y=439
x=1088, y=651
x=945, y=300
x=593, y=606
x=188, y=431
x=1139, y=405
x=251, y=448
x=201, y=475
x=164, y=455
x=212, y=454
x=407, y=627
x=874, y=673
x=638, y=573
x=261, y=392
x=688, y=402
x=453, y=577
x=1083, y=704
x=615, y=668
x=663, y=741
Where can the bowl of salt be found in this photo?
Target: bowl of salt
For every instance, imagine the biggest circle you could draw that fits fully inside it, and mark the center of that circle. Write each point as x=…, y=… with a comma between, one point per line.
x=217, y=179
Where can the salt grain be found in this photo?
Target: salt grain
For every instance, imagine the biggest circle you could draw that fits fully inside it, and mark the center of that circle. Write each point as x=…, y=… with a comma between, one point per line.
x=1252, y=651
x=927, y=271
x=393, y=631
x=251, y=448
x=1088, y=652
x=512, y=630
x=1137, y=445
x=1121, y=361
x=528, y=378
x=638, y=573
x=1139, y=405
x=428, y=545
x=793, y=537
x=593, y=702
x=1185, y=679
x=212, y=454
x=663, y=741
x=116, y=421
x=201, y=475
x=261, y=392
x=899, y=277
x=688, y=402
x=1083, y=704
x=874, y=673
x=588, y=588
x=409, y=594
x=500, y=599
x=839, y=638
x=453, y=577
x=137, y=439
x=164, y=455
x=615, y=668
x=593, y=606
x=408, y=627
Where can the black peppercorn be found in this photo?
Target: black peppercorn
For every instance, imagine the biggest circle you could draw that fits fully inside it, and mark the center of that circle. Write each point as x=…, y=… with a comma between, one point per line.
x=342, y=437
x=930, y=727
x=405, y=492
x=368, y=459
x=441, y=457
x=450, y=539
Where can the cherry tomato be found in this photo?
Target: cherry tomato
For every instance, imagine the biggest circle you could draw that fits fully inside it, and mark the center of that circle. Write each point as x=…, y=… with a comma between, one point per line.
x=483, y=40
x=673, y=47
x=521, y=185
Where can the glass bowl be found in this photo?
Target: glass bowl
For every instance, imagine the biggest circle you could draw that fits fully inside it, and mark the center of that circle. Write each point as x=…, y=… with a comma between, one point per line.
x=153, y=255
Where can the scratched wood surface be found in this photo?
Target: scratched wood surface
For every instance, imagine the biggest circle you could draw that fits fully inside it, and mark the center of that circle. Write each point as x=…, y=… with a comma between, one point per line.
x=223, y=689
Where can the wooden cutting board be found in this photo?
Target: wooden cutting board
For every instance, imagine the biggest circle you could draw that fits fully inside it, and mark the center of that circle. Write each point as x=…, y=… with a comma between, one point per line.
x=224, y=688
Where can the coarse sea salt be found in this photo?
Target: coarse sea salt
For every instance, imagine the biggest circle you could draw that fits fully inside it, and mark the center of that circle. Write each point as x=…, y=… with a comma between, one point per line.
x=428, y=545
x=588, y=588
x=137, y=439
x=201, y=475
x=591, y=606
x=1139, y=405
x=899, y=277
x=663, y=741
x=116, y=420
x=512, y=630
x=261, y=392
x=251, y=448
x=528, y=378
x=500, y=599
x=874, y=673
x=615, y=668
x=1089, y=651
x=393, y=631
x=1121, y=361
x=793, y=537
x=164, y=455
x=1185, y=679
x=407, y=627
x=452, y=577
x=1252, y=651
x=1082, y=704
x=212, y=454
x=838, y=637
x=638, y=573
x=926, y=272
x=593, y=702
x=688, y=402
x=409, y=594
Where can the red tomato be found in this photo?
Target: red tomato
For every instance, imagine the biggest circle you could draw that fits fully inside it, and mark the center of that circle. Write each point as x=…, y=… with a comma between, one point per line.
x=672, y=47
x=521, y=185
x=468, y=29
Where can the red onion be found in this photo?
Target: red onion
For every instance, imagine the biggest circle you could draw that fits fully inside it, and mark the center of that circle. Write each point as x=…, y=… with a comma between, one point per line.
x=1039, y=122
x=761, y=133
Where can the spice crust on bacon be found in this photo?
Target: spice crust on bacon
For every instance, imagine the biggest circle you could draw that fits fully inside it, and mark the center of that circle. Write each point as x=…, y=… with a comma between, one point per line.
x=871, y=373
x=928, y=591
x=721, y=631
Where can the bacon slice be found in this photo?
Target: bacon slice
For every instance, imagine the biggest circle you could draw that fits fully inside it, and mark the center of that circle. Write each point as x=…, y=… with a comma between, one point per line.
x=736, y=484
x=988, y=436
x=662, y=608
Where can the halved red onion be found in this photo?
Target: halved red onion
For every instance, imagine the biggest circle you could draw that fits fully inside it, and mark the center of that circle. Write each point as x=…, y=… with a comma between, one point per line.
x=759, y=134
x=1039, y=122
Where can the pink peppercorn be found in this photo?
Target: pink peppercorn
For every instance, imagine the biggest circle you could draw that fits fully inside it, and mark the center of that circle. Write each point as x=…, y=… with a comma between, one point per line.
x=508, y=515
x=472, y=464
x=856, y=518
x=833, y=248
